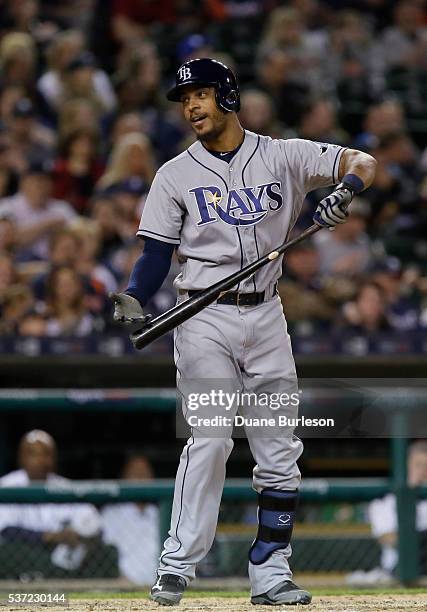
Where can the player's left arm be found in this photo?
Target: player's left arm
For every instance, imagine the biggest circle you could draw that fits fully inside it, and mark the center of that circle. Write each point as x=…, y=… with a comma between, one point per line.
x=356, y=173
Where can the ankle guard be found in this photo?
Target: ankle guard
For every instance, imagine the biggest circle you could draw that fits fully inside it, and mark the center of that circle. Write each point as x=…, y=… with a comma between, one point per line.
x=276, y=512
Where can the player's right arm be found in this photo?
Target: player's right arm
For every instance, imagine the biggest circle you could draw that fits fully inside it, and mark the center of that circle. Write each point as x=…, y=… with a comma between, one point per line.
x=160, y=226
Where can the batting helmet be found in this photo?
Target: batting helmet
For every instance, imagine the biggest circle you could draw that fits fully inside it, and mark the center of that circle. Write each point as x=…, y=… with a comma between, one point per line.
x=208, y=72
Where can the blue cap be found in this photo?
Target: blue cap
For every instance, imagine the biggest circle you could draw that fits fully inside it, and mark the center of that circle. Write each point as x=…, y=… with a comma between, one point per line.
x=133, y=186
x=190, y=44
x=86, y=59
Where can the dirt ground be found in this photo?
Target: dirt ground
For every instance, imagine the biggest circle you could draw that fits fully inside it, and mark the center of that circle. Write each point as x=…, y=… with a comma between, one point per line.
x=336, y=603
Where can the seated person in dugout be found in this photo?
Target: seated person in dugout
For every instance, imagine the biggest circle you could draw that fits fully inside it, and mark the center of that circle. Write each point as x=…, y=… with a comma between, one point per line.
x=383, y=512
x=134, y=527
x=66, y=529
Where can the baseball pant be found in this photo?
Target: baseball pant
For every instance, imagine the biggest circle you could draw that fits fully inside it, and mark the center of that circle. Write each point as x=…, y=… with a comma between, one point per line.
x=250, y=347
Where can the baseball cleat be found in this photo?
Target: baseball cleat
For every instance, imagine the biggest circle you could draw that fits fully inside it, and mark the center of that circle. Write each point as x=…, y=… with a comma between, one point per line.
x=285, y=593
x=168, y=590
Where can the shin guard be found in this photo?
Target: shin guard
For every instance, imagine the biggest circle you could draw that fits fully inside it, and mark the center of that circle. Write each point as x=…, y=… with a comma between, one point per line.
x=276, y=513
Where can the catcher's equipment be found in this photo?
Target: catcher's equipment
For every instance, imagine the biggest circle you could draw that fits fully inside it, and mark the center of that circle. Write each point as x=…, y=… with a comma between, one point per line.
x=276, y=512
x=208, y=72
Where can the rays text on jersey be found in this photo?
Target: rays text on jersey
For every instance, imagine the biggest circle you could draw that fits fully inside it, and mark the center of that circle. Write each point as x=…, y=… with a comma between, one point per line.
x=243, y=206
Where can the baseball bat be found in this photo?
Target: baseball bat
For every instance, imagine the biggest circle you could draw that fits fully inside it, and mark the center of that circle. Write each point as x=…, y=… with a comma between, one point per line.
x=185, y=310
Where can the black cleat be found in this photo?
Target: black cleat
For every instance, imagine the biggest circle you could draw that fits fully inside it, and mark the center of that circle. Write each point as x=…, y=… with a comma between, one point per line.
x=168, y=590
x=285, y=593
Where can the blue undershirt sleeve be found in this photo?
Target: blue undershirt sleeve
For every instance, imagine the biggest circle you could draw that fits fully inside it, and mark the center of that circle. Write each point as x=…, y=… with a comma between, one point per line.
x=150, y=270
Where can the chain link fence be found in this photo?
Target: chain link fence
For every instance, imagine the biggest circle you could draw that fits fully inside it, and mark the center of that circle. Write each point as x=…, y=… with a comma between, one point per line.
x=328, y=537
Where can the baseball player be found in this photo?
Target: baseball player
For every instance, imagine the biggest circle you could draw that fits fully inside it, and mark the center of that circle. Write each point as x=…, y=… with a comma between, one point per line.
x=223, y=203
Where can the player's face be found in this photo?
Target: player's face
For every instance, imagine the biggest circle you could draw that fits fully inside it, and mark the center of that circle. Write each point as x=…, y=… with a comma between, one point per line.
x=202, y=112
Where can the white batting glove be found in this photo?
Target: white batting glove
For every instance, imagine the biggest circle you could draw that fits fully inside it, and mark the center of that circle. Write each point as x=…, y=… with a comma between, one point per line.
x=127, y=309
x=333, y=209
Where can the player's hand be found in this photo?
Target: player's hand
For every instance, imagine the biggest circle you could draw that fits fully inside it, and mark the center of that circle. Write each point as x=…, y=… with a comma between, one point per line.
x=127, y=309
x=333, y=209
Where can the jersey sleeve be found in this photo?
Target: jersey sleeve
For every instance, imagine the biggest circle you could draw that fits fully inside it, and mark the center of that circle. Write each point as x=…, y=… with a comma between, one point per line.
x=162, y=214
x=312, y=164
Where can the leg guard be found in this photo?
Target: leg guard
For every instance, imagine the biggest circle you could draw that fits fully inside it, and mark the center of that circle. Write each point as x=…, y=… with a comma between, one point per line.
x=276, y=512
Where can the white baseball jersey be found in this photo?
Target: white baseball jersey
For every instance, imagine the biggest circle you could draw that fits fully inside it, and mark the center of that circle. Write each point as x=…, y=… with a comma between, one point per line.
x=225, y=215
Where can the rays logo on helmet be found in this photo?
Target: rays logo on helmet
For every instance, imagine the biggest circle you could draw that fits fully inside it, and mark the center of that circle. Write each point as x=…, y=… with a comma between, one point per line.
x=244, y=206
x=184, y=73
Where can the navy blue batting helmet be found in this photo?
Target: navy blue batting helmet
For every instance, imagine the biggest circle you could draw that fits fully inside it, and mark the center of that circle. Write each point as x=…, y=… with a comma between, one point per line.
x=208, y=72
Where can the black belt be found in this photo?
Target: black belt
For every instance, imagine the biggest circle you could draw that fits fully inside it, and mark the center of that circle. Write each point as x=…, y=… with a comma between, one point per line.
x=234, y=298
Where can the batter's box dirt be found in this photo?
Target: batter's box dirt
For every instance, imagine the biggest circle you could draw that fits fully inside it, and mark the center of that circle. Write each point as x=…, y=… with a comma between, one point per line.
x=347, y=603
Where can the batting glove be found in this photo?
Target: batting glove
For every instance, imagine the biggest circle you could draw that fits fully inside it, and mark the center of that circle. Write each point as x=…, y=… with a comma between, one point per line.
x=127, y=309
x=333, y=209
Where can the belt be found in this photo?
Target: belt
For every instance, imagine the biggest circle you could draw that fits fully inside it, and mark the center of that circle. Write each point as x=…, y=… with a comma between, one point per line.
x=234, y=298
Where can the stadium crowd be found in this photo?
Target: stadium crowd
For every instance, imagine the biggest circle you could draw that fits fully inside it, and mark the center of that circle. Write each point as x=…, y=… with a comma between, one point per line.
x=84, y=124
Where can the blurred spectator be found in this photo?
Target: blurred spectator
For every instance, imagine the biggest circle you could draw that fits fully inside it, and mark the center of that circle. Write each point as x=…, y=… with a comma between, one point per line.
x=381, y=119
x=7, y=235
x=353, y=53
x=24, y=16
x=15, y=303
x=395, y=191
x=128, y=195
x=401, y=295
x=134, y=527
x=8, y=273
x=306, y=50
x=138, y=78
x=67, y=529
x=63, y=48
x=18, y=59
x=347, y=250
x=131, y=156
x=274, y=75
x=306, y=304
x=367, y=313
x=65, y=56
x=404, y=45
x=130, y=18
x=258, y=114
x=383, y=520
x=105, y=211
x=100, y=278
x=82, y=80
x=35, y=213
x=139, y=89
x=68, y=13
x=66, y=312
x=28, y=140
x=77, y=169
x=64, y=250
x=75, y=115
x=319, y=123
x=126, y=123
x=124, y=259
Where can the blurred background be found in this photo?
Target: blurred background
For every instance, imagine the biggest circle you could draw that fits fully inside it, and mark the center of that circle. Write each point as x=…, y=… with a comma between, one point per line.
x=84, y=125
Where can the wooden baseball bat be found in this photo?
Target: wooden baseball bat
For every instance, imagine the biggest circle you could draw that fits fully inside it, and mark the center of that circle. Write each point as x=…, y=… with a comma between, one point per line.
x=185, y=310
